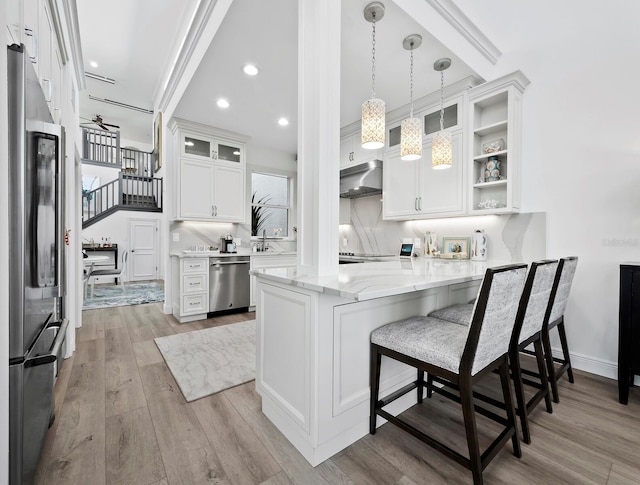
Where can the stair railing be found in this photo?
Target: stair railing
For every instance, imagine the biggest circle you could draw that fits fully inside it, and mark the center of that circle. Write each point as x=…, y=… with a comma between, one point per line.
x=98, y=201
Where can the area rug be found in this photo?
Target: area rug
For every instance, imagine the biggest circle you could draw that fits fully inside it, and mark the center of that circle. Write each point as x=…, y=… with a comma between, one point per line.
x=112, y=295
x=207, y=361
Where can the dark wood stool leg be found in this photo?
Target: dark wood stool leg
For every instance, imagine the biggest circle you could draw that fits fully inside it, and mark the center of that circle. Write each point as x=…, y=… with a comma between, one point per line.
x=565, y=349
x=551, y=370
x=516, y=375
x=429, y=386
x=511, y=412
x=374, y=381
x=544, y=381
x=420, y=385
x=466, y=399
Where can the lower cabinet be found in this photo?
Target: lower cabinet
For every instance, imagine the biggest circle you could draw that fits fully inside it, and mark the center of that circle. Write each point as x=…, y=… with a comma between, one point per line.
x=190, y=288
x=272, y=260
x=413, y=190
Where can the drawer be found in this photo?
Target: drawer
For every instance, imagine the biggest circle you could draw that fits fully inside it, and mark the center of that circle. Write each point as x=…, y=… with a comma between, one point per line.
x=193, y=265
x=195, y=304
x=192, y=283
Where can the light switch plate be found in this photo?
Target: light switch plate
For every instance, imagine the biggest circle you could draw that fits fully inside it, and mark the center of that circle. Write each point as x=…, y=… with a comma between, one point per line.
x=176, y=236
x=238, y=241
x=416, y=243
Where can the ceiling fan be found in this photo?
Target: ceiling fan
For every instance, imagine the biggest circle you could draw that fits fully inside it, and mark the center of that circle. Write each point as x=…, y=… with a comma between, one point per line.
x=97, y=120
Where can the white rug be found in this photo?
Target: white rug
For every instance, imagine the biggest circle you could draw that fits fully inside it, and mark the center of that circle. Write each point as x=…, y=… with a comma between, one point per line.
x=204, y=362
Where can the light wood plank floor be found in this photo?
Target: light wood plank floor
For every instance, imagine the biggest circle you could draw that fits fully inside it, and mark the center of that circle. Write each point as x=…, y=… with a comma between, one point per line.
x=120, y=418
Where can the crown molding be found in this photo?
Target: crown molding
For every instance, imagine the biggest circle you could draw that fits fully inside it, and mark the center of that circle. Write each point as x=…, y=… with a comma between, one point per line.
x=465, y=27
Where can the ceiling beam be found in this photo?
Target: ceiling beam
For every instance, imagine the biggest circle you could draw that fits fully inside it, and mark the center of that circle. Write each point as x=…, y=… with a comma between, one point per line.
x=447, y=23
x=204, y=24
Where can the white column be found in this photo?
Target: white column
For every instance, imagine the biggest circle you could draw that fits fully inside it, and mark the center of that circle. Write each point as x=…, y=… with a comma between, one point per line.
x=318, y=135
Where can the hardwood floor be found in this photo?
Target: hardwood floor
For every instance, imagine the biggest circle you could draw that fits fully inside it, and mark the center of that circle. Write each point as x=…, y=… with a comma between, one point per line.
x=120, y=418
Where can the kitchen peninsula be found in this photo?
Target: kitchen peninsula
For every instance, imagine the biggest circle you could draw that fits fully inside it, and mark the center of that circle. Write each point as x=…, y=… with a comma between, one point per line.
x=313, y=342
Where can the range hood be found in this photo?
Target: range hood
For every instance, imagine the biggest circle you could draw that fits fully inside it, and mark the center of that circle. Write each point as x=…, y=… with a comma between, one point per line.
x=361, y=180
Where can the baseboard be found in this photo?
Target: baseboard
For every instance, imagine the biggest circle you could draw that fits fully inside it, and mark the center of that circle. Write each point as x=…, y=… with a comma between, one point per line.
x=599, y=367
x=167, y=309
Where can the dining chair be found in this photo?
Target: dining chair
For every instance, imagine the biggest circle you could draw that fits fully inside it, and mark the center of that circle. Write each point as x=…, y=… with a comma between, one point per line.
x=116, y=273
x=460, y=354
x=533, y=310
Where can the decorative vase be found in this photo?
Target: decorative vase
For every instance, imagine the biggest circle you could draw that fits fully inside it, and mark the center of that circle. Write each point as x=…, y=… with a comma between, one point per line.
x=492, y=170
x=432, y=244
x=479, y=246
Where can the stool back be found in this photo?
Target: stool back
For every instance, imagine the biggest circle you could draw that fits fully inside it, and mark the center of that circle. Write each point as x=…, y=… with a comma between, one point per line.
x=536, y=299
x=564, y=279
x=493, y=317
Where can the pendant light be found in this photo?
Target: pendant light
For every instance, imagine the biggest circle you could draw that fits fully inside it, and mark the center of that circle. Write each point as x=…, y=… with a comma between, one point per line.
x=442, y=153
x=373, y=110
x=411, y=128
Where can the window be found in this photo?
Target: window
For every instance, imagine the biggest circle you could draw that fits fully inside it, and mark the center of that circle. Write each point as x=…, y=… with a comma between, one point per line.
x=270, y=206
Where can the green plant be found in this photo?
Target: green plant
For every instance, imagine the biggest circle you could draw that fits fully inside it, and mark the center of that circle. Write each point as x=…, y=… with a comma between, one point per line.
x=259, y=215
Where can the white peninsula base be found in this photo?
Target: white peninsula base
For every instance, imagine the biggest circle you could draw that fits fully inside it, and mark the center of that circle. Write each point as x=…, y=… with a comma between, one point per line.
x=313, y=345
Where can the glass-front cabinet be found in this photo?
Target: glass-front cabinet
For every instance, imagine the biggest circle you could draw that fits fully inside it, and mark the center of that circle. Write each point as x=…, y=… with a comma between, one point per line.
x=204, y=147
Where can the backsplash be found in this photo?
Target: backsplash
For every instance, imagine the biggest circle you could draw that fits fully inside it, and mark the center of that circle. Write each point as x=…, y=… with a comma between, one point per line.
x=513, y=237
x=209, y=233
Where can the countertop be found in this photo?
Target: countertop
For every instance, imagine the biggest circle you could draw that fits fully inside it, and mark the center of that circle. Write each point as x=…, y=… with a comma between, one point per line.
x=365, y=281
x=241, y=252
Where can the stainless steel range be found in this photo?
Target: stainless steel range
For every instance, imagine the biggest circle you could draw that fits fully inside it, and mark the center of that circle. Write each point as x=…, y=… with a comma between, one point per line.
x=348, y=257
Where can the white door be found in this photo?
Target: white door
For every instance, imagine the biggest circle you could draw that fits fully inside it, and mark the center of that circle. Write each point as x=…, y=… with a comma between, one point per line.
x=143, y=249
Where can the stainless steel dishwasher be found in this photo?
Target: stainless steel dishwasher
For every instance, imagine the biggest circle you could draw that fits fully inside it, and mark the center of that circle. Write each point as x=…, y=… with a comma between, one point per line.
x=229, y=285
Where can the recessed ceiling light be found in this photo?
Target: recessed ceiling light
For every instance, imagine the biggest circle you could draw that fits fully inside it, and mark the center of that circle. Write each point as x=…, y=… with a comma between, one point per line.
x=250, y=70
x=93, y=64
x=283, y=122
x=236, y=152
x=222, y=103
x=188, y=143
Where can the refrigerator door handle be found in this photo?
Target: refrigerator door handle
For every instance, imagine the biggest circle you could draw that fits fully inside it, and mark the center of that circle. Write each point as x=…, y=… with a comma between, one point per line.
x=52, y=356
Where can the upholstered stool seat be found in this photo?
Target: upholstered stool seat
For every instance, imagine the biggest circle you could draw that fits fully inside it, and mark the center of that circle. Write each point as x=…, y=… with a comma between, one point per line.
x=460, y=314
x=424, y=338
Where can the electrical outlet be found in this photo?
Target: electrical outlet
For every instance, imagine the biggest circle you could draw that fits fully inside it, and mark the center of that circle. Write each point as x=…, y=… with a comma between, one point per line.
x=416, y=243
x=407, y=240
x=345, y=242
x=238, y=241
x=176, y=236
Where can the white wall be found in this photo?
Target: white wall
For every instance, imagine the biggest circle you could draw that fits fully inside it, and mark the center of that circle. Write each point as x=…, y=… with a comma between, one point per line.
x=581, y=145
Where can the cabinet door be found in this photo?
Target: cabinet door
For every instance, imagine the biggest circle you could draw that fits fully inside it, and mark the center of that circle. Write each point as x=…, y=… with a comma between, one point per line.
x=400, y=188
x=46, y=37
x=346, y=151
x=442, y=190
x=361, y=155
x=56, y=78
x=196, y=190
x=229, y=193
x=228, y=151
x=197, y=146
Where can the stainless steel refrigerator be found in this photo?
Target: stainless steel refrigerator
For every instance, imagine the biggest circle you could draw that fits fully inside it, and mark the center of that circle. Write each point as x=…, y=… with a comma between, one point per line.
x=36, y=324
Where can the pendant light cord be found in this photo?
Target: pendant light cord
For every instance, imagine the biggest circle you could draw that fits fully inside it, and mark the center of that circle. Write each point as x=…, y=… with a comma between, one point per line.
x=441, y=100
x=373, y=58
x=411, y=83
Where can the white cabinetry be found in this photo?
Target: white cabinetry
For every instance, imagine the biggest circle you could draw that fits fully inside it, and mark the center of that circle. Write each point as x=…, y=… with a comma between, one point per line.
x=273, y=260
x=191, y=289
x=352, y=153
x=495, y=135
x=413, y=190
x=211, y=174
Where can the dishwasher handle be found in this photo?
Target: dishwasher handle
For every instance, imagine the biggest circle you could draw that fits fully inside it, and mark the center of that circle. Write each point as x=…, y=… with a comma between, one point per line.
x=219, y=263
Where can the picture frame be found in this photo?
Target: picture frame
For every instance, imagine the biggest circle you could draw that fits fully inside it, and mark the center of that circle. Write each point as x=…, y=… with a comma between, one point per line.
x=456, y=245
x=157, y=141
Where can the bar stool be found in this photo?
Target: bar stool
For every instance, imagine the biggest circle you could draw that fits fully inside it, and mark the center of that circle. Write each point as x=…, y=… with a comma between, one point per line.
x=462, y=355
x=533, y=310
x=564, y=279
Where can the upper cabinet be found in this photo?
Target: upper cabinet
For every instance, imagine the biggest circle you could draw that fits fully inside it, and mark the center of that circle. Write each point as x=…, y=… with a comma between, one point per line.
x=352, y=153
x=211, y=173
x=414, y=190
x=495, y=141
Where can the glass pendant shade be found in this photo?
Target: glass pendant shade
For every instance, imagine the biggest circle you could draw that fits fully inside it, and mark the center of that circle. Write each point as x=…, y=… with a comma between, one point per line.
x=373, y=123
x=441, y=152
x=411, y=139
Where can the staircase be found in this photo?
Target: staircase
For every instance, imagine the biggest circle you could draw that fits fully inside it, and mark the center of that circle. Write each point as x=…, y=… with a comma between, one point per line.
x=135, y=189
